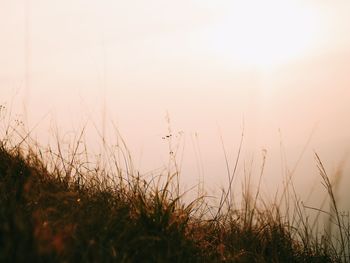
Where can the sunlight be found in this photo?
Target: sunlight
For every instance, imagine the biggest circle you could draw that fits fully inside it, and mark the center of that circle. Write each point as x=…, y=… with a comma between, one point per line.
x=264, y=34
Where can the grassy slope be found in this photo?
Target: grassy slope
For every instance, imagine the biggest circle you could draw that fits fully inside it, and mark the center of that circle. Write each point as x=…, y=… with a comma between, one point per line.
x=46, y=218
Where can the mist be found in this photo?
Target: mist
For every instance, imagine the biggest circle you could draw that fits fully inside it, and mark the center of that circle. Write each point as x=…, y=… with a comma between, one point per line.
x=136, y=63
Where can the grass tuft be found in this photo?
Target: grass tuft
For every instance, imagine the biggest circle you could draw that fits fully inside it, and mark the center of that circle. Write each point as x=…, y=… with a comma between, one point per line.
x=57, y=209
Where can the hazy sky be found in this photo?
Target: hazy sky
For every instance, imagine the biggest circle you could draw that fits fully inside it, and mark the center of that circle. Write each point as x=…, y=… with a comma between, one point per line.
x=282, y=66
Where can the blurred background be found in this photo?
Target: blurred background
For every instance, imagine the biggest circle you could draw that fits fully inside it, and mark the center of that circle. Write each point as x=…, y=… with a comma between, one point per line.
x=277, y=69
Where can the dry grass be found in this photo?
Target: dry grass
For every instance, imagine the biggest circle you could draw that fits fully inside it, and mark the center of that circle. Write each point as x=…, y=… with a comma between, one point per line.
x=59, y=206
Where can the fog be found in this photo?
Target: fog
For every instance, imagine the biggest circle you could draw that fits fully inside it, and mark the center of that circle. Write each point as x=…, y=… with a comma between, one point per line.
x=134, y=63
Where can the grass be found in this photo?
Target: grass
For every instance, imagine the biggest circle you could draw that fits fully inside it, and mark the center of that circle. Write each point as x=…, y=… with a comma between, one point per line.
x=57, y=207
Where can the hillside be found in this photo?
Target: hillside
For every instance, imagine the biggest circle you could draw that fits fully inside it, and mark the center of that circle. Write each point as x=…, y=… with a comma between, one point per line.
x=57, y=217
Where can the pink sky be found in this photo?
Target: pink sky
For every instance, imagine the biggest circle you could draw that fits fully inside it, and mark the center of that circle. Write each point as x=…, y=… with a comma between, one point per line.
x=283, y=65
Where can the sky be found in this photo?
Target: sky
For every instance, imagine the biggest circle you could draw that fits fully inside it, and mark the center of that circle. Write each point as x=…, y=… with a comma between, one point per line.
x=277, y=69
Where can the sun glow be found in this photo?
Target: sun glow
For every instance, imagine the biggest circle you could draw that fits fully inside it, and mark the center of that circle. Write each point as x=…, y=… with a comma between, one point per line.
x=264, y=34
